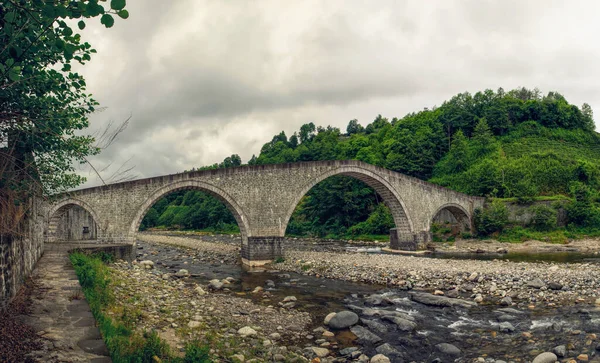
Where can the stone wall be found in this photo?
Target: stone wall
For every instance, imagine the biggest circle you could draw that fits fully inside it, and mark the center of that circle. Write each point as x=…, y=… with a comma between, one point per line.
x=521, y=214
x=19, y=254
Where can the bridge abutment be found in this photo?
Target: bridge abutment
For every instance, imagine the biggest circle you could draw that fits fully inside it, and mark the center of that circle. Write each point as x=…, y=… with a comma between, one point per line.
x=262, y=250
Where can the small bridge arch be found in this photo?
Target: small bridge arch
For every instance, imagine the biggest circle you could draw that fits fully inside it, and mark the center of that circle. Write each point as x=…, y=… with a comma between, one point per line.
x=71, y=219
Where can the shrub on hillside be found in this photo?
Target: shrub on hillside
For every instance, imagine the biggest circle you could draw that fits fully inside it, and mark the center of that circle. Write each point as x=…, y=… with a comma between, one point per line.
x=492, y=219
x=543, y=217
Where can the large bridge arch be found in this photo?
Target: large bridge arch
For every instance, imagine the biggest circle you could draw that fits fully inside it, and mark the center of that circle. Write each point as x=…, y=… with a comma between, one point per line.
x=216, y=192
x=56, y=212
x=460, y=214
x=387, y=192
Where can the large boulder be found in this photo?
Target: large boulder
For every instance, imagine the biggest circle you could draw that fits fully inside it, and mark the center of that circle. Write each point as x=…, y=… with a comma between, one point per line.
x=343, y=319
x=440, y=301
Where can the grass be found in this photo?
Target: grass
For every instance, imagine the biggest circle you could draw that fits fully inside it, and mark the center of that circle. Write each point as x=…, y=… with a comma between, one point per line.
x=123, y=342
x=539, y=198
x=518, y=234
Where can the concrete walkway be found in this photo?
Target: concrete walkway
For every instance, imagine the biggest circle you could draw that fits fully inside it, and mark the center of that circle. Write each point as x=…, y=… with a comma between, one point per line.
x=60, y=314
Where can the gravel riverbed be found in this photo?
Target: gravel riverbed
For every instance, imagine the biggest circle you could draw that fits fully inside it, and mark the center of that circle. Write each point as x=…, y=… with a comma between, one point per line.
x=492, y=281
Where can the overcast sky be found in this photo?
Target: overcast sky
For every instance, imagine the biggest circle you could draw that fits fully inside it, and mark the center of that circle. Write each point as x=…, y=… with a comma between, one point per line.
x=203, y=80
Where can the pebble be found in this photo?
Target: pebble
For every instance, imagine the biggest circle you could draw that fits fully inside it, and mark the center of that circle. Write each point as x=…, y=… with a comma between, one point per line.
x=246, y=331
x=545, y=357
x=380, y=358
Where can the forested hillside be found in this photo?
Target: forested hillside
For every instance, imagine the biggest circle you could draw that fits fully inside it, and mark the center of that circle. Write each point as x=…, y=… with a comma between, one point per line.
x=517, y=144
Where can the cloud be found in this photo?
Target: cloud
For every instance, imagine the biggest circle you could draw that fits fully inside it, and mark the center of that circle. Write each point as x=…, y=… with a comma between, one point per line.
x=202, y=80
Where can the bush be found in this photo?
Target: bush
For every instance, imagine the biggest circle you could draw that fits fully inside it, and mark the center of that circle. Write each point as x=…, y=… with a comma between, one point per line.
x=492, y=219
x=544, y=218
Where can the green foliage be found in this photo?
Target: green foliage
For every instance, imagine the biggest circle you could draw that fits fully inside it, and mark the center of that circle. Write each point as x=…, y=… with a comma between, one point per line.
x=583, y=212
x=543, y=217
x=43, y=102
x=123, y=343
x=491, y=219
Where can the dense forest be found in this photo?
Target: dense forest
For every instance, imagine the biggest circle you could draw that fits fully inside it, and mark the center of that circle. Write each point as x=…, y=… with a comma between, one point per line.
x=518, y=144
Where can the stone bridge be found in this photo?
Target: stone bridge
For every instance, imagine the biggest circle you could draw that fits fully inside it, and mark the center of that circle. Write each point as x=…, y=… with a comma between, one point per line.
x=261, y=198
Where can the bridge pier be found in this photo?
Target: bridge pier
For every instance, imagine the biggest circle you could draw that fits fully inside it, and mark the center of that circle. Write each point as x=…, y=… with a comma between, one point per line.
x=259, y=251
x=408, y=241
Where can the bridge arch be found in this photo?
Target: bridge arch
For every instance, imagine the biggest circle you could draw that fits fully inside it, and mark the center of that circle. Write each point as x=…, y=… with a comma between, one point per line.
x=382, y=186
x=216, y=192
x=462, y=217
x=56, y=212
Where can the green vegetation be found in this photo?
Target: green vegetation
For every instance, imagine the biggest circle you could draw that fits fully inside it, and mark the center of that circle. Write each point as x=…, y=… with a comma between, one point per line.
x=510, y=146
x=122, y=341
x=43, y=101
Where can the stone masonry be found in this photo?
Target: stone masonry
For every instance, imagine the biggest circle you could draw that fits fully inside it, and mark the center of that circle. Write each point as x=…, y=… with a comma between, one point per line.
x=262, y=199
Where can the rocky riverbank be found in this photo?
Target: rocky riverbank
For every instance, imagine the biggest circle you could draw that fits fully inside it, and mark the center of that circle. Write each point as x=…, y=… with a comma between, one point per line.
x=496, y=282
x=374, y=322
x=485, y=282
x=236, y=328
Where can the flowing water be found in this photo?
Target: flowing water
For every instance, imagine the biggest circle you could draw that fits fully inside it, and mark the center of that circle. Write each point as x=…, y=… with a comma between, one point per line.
x=478, y=331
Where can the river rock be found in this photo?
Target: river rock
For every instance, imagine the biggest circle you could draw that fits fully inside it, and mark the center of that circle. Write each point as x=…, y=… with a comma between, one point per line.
x=270, y=283
x=536, y=284
x=506, y=301
x=364, y=335
x=506, y=327
x=348, y=351
x=452, y=293
x=238, y=358
x=448, y=349
x=509, y=311
x=343, y=319
x=194, y=324
x=275, y=336
x=560, y=351
x=545, y=357
x=182, y=273
x=215, y=284
x=403, y=324
x=375, y=326
x=247, y=331
x=473, y=277
x=289, y=299
x=320, y=352
x=440, y=301
x=554, y=286
x=506, y=317
x=328, y=318
x=380, y=358
x=147, y=264
x=200, y=291
x=389, y=351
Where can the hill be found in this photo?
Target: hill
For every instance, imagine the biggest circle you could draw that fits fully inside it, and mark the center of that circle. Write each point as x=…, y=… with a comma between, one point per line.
x=517, y=144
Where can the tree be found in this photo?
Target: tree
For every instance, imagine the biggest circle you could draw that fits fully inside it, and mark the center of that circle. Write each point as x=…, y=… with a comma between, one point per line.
x=42, y=101
x=354, y=127
x=307, y=132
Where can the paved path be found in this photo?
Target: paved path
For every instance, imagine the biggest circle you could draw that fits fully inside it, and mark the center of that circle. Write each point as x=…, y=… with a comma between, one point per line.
x=61, y=315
